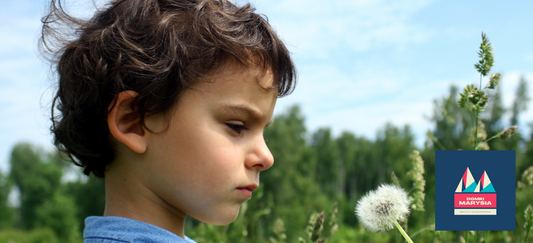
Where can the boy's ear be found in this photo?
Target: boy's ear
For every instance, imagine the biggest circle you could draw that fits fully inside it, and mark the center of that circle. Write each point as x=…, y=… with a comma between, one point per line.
x=125, y=125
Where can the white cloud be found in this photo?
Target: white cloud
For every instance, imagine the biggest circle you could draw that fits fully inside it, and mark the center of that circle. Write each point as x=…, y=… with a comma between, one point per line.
x=313, y=28
x=363, y=102
x=359, y=95
x=372, y=89
x=20, y=32
x=22, y=79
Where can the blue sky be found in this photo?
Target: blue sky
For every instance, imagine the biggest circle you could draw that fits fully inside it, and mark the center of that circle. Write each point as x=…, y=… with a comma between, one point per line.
x=361, y=63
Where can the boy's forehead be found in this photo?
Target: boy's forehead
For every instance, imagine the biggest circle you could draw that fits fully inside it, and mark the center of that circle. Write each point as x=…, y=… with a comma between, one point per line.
x=252, y=71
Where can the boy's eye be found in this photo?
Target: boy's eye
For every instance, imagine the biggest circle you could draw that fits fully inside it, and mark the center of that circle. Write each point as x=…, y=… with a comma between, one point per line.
x=238, y=128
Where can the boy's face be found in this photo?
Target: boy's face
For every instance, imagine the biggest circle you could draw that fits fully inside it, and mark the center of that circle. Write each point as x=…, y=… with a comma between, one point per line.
x=208, y=160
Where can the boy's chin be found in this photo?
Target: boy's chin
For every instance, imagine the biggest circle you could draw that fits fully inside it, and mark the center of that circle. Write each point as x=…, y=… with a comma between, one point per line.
x=222, y=218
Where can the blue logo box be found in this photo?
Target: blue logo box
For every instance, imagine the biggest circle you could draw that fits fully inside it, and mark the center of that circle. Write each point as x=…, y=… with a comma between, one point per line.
x=475, y=190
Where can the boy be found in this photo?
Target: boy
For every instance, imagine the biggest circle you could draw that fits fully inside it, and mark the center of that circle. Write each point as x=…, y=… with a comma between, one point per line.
x=167, y=101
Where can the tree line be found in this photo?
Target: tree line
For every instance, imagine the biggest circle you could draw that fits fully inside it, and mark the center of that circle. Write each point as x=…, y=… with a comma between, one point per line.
x=314, y=171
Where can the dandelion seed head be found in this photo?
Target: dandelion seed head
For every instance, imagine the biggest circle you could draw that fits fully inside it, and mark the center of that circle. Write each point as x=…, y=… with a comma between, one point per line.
x=378, y=209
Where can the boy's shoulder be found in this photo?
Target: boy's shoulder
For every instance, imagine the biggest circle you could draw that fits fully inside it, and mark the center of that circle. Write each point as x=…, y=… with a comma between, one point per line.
x=118, y=230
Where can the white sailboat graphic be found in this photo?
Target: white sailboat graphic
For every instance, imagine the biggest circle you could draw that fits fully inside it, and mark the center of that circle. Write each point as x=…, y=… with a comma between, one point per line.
x=486, y=184
x=467, y=182
x=460, y=186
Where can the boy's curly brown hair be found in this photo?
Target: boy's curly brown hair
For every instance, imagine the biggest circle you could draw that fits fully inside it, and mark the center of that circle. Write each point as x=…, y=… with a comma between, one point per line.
x=156, y=48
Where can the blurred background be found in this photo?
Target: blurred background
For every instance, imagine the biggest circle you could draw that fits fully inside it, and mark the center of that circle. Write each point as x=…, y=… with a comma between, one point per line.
x=374, y=78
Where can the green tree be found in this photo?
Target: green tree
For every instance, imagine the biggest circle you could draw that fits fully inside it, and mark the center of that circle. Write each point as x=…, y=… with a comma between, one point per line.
x=330, y=174
x=521, y=101
x=452, y=124
x=59, y=214
x=6, y=212
x=43, y=203
x=452, y=128
x=394, y=146
x=40, y=235
x=357, y=154
x=291, y=181
x=36, y=180
x=526, y=159
x=88, y=196
x=347, y=149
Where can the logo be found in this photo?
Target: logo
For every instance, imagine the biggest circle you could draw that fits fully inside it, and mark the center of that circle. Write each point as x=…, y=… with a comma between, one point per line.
x=475, y=190
x=473, y=198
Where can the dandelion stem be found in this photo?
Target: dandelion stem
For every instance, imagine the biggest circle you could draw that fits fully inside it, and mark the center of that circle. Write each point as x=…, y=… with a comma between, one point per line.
x=402, y=232
x=466, y=236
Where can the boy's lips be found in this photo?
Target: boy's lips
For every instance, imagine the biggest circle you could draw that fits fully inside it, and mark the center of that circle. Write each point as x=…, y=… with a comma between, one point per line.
x=247, y=190
x=250, y=187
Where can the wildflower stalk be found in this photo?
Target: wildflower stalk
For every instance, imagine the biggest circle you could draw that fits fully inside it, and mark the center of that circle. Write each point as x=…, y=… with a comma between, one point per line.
x=435, y=140
x=317, y=229
x=505, y=134
x=428, y=227
x=486, y=141
x=395, y=180
x=476, y=99
x=416, y=174
x=407, y=238
x=315, y=226
x=477, y=109
x=333, y=226
x=279, y=232
x=527, y=178
x=528, y=225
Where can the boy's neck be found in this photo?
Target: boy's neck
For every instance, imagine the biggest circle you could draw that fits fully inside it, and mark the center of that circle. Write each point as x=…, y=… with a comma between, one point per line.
x=128, y=198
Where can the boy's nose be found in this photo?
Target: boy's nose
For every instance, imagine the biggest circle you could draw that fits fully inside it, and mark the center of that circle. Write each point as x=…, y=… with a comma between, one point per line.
x=260, y=158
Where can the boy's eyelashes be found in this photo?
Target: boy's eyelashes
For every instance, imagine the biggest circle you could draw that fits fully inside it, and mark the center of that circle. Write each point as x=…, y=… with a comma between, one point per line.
x=237, y=128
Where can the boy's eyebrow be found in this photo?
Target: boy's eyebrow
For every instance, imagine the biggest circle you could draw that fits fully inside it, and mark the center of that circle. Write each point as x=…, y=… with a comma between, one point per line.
x=252, y=112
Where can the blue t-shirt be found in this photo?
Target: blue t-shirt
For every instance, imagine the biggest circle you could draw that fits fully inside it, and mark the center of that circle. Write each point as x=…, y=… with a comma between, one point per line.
x=117, y=229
